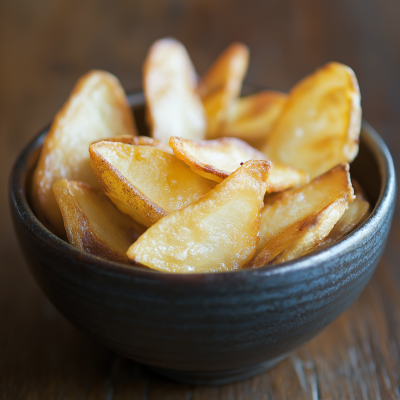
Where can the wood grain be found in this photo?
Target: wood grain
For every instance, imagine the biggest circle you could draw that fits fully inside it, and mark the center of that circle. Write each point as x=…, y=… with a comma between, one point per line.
x=47, y=44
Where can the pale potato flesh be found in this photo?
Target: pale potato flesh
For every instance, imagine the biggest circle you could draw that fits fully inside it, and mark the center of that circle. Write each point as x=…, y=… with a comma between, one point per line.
x=289, y=215
x=169, y=82
x=253, y=117
x=93, y=223
x=320, y=124
x=97, y=108
x=217, y=233
x=217, y=159
x=221, y=85
x=150, y=181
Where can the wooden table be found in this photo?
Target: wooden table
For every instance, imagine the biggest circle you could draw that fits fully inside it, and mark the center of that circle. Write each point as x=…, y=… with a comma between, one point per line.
x=47, y=44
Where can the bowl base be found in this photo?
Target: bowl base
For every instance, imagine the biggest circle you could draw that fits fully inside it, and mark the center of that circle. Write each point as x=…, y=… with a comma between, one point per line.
x=217, y=377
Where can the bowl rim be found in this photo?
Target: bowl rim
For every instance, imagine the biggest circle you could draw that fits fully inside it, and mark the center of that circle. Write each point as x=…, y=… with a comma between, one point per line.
x=18, y=200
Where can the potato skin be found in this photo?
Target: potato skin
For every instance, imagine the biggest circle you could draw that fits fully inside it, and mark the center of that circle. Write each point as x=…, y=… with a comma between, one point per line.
x=217, y=159
x=223, y=155
x=97, y=108
x=150, y=181
x=116, y=185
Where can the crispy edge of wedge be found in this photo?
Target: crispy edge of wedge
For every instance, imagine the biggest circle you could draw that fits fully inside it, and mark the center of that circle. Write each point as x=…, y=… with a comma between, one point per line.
x=138, y=141
x=180, y=146
x=135, y=215
x=148, y=141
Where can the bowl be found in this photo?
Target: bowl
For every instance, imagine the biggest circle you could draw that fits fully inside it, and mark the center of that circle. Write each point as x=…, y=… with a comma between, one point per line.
x=207, y=328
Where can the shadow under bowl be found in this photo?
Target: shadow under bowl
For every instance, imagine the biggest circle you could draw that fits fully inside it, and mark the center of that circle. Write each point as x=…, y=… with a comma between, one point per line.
x=207, y=328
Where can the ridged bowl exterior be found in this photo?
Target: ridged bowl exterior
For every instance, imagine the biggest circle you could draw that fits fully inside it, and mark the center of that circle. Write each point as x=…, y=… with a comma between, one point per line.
x=207, y=328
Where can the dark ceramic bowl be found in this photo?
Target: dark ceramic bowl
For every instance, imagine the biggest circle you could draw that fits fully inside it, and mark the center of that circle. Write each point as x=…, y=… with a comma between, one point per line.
x=207, y=328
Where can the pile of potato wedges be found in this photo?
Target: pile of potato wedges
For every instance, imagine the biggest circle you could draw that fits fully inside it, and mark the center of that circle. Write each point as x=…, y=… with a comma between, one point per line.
x=224, y=182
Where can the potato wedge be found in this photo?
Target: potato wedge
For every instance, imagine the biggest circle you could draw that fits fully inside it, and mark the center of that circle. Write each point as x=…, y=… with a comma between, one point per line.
x=93, y=223
x=221, y=85
x=314, y=233
x=219, y=232
x=217, y=159
x=320, y=124
x=97, y=108
x=138, y=141
x=252, y=118
x=308, y=212
x=214, y=159
x=173, y=104
x=148, y=180
x=356, y=214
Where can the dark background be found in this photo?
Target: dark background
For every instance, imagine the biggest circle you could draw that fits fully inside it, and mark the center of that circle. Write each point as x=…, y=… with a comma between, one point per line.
x=45, y=45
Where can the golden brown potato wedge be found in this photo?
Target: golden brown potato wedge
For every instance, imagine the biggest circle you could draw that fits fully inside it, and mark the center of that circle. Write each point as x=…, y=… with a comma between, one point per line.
x=97, y=108
x=148, y=180
x=314, y=233
x=214, y=159
x=221, y=86
x=320, y=124
x=138, y=141
x=219, y=232
x=252, y=118
x=356, y=214
x=173, y=104
x=93, y=223
x=217, y=159
x=303, y=215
